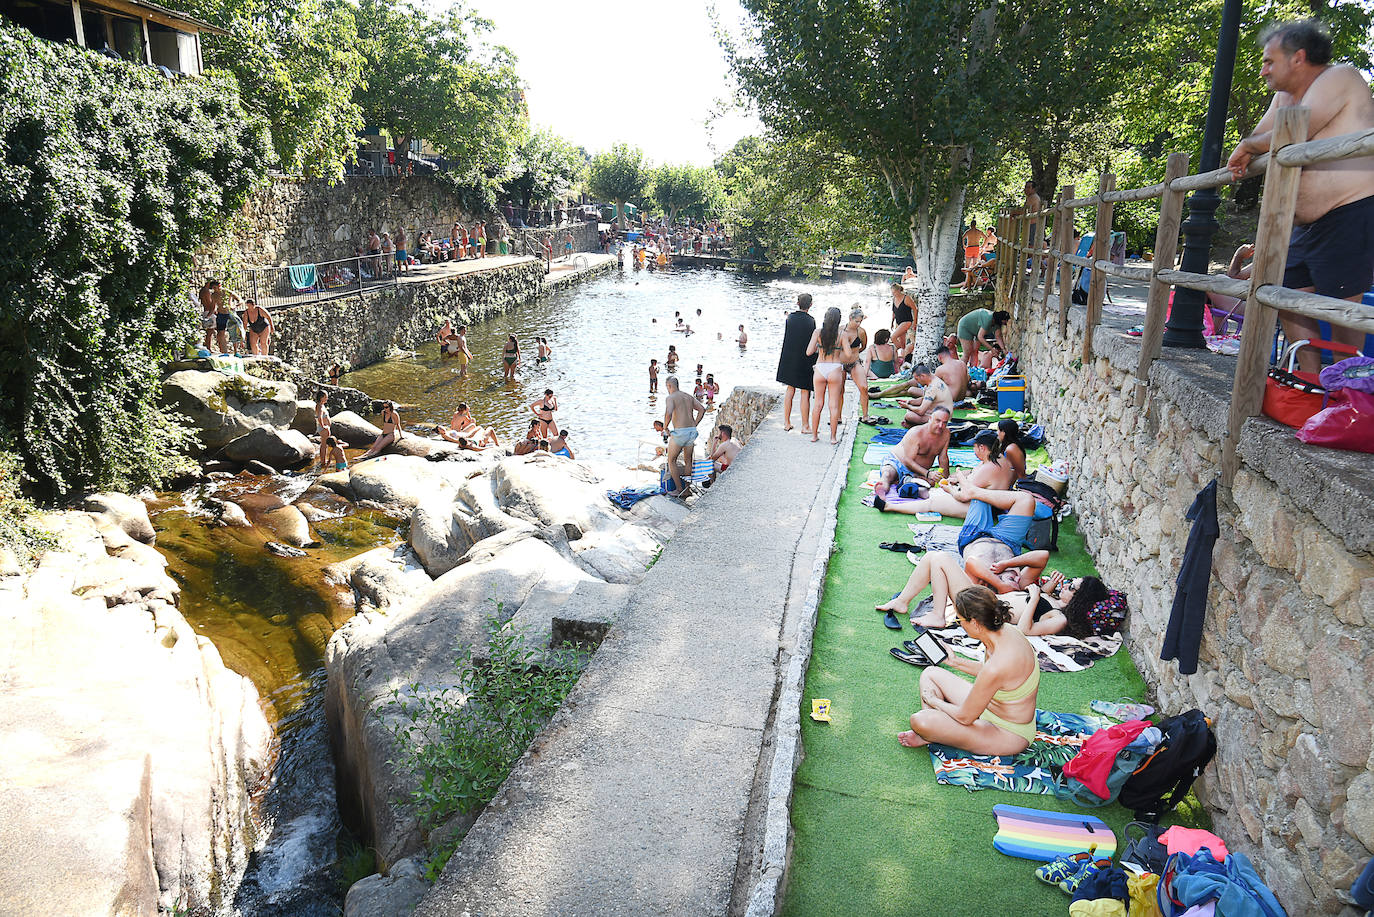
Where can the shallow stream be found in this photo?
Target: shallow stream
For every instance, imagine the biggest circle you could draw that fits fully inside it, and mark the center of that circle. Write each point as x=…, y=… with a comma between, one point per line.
x=271, y=617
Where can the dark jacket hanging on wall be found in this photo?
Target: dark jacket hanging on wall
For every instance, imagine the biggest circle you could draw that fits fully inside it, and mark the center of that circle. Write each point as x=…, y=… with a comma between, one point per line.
x=1183, y=636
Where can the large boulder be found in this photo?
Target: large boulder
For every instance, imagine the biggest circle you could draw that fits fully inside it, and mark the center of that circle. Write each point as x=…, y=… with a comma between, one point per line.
x=130, y=751
x=224, y=407
x=129, y=513
x=385, y=576
x=278, y=448
x=289, y=523
x=403, y=480
x=622, y=556
x=353, y=430
x=384, y=896
x=304, y=421
x=548, y=490
x=443, y=529
x=413, y=648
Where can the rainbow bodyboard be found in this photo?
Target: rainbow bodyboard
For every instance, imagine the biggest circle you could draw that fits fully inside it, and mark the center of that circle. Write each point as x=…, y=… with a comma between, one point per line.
x=1038, y=834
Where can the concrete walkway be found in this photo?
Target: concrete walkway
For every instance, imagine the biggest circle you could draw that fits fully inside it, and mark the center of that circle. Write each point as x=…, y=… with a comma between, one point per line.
x=648, y=792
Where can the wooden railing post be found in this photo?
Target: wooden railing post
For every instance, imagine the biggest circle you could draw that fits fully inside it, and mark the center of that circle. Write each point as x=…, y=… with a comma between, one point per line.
x=1166, y=249
x=1020, y=272
x=1057, y=243
x=1271, y=252
x=1102, y=249
x=1004, y=258
x=1066, y=269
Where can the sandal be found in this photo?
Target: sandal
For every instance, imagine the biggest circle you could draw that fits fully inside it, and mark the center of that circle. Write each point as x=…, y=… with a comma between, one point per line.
x=890, y=621
x=916, y=658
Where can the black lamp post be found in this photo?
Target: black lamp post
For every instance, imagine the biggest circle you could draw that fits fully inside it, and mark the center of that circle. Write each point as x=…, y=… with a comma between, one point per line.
x=1184, y=328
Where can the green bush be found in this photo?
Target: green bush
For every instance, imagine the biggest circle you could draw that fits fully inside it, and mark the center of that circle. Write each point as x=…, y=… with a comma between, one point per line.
x=19, y=529
x=461, y=742
x=110, y=177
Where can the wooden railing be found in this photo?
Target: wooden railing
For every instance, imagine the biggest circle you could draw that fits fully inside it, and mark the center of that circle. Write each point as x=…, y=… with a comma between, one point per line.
x=1263, y=292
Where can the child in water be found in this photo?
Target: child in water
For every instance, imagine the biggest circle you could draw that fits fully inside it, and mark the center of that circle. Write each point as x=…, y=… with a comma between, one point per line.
x=653, y=376
x=712, y=390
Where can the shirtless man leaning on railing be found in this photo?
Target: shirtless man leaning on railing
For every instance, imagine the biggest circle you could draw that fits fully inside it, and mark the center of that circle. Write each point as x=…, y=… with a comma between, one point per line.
x=1332, y=248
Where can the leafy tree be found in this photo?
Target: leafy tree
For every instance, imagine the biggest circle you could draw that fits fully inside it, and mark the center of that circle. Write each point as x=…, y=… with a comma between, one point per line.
x=684, y=188
x=545, y=166
x=931, y=92
x=110, y=178
x=620, y=176
x=298, y=65
x=431, y=77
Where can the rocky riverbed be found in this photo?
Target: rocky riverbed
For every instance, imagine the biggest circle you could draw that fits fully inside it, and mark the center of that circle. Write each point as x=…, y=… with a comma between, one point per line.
x=131, y=752
x=160, y=757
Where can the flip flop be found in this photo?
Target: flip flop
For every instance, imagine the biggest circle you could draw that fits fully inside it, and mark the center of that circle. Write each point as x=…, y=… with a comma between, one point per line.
x=878, y=421
x=890, y=621
x=917, y=659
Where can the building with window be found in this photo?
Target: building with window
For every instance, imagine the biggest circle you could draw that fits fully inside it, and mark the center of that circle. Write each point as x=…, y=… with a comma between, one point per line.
x=132, y=30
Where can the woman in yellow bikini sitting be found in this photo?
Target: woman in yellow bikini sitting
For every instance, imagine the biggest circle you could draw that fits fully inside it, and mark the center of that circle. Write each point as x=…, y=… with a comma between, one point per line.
x=996, y=714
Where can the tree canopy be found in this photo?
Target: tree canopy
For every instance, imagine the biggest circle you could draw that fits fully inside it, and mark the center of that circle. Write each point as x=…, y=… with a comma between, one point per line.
x=110, y=178
x=544, y=166
x=431, y=77
x=684, y=189
x=619, y=175
x=931, y=92
x=298, y=66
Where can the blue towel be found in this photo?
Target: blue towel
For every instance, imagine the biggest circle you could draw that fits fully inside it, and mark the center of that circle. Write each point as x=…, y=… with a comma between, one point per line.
x=888, y=436
x=631, y=495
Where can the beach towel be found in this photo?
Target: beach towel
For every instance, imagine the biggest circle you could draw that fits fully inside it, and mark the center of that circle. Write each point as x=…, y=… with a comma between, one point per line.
x=1056, y=652
x=962, y=457
x=629, y=496
x=934, y=536
x=888, y=436
x=877, y=454
x=1058, y=736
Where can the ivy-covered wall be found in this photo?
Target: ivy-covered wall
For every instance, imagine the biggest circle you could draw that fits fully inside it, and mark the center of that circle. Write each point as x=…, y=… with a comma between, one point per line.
x=111, y=176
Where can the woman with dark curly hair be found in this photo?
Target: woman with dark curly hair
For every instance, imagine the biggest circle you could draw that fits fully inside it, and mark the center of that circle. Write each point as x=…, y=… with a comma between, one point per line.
x=995, y=715
x=1056, y=605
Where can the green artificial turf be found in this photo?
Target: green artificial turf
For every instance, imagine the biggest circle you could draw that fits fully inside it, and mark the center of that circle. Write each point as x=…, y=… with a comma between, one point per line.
x=874, y=832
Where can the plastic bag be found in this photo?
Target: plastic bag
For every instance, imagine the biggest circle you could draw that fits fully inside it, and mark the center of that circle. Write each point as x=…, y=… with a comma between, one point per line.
x=1347, y=422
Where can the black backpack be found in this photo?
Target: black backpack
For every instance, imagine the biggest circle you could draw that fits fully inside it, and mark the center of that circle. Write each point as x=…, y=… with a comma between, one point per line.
x=1044, y=533
x=1164, y=779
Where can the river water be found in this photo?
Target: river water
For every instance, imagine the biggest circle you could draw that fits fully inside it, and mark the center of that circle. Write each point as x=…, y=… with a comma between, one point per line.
x=271, y=617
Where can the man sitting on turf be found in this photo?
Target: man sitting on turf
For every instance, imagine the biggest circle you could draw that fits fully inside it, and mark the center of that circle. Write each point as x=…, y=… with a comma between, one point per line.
x=936, y=394
x=915, y=455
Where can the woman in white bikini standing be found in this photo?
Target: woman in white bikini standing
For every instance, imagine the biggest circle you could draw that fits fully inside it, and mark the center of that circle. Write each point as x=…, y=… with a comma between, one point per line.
x=828, y=373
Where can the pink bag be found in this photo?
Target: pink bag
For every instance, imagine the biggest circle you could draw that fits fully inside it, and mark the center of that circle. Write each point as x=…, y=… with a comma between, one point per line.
x=1347, y=422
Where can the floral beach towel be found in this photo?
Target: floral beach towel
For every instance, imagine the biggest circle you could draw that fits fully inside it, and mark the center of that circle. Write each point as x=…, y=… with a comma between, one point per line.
x=1037, y=770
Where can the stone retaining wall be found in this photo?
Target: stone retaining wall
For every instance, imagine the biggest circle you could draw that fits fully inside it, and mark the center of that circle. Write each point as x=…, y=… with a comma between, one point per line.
x=1285, y=664
x=745, y=408
x=296, y=221
x=357, y=330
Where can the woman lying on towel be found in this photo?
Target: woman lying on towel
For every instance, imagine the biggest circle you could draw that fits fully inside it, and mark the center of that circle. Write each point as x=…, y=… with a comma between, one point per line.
x=1039, y=606
x=996, y=714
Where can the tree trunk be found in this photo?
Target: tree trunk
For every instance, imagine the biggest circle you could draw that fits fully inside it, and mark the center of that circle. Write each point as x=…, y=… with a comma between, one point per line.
x=934, y=247
x=620, y=214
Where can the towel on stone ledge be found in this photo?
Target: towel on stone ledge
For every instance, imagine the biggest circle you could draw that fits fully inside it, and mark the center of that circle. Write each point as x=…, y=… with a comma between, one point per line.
x=1037, y=770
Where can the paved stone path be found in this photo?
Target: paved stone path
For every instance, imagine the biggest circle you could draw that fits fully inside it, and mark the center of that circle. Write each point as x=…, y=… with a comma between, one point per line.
x=637, y=798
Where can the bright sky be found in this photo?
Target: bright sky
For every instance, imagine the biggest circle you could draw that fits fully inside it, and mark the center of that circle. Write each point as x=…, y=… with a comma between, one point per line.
x=575, y=58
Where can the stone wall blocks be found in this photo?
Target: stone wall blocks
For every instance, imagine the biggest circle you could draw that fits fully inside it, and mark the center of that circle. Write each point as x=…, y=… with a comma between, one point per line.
x=1286, y=636
x=1358, y=813
x=1311, y=770
x=1340, y=674
x=1284, y=877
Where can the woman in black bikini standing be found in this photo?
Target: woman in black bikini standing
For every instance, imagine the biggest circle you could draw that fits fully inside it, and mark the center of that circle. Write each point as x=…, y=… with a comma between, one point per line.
x=391, y=431
x=259, y=323
x=543, y=411
x=902, y=317
x=510, y=357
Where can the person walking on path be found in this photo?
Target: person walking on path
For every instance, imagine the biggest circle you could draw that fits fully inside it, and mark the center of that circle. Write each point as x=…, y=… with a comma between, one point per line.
x=794, y=364
x=681, y=414
x=1332, y=248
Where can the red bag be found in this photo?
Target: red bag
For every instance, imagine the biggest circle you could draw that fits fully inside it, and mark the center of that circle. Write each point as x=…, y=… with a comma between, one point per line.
x=1291, y=397
x=1347, y=422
